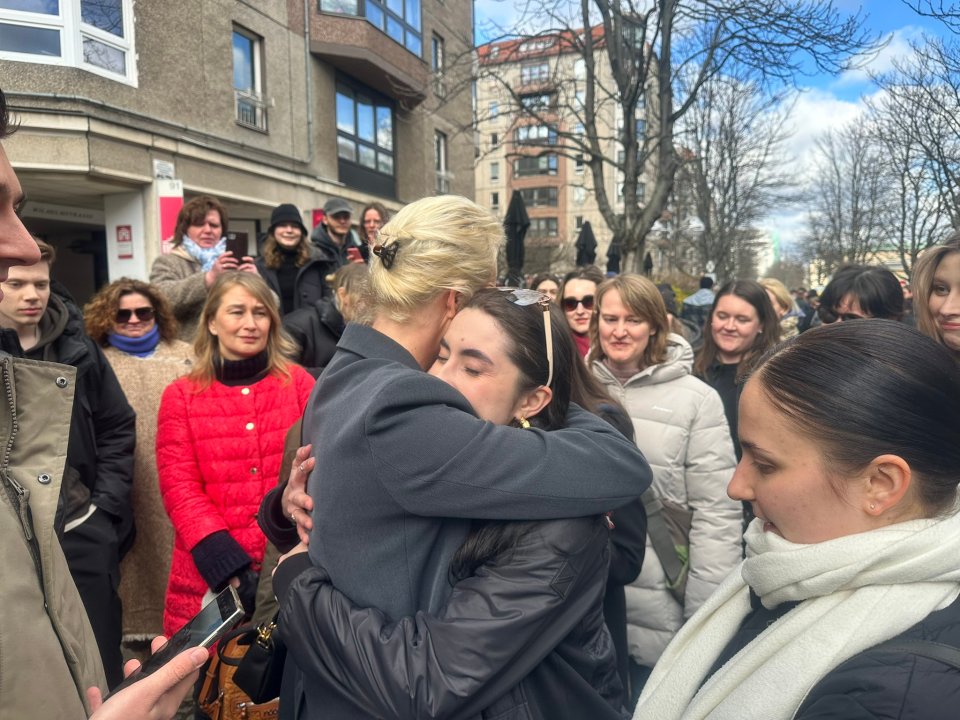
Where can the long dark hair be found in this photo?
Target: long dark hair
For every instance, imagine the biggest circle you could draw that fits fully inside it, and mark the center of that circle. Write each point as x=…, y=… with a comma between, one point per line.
x=871, y=387
x=753, y=293
x=876, y=289
x=7, y=127
x=524, y=328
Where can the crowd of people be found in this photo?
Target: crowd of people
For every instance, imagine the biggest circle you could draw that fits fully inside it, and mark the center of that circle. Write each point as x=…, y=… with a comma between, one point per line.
x=583, y=498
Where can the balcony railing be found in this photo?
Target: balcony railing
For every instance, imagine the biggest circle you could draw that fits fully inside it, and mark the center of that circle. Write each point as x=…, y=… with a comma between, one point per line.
x=251, y=110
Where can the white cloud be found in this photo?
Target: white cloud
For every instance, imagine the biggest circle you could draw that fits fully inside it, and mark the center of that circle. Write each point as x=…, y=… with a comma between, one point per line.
x=494, y=17
x=897, y=48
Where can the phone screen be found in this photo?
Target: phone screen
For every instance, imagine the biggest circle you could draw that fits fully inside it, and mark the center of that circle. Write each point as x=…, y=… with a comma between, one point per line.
x=207, y=626
x=238, y=246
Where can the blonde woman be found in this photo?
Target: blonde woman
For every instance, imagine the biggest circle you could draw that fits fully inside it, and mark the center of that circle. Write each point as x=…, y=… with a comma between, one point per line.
x=785, y=306
x=936, y=286
x=403, y=462
x=220, y=435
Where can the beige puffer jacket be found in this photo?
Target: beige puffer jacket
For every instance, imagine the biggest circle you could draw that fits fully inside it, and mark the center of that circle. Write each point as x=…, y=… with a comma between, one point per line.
x=48, y=655
x=682, y=431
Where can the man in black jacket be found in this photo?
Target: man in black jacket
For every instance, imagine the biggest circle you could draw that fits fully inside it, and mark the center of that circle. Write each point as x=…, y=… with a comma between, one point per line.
x=94, y=514
x=335, y=236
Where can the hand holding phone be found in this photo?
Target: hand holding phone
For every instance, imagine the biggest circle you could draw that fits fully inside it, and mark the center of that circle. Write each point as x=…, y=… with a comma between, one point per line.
x=353, y=255
x=207, y=626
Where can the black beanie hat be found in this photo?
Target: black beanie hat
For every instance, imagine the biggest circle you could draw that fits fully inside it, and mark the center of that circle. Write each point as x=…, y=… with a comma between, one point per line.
x=287, y=213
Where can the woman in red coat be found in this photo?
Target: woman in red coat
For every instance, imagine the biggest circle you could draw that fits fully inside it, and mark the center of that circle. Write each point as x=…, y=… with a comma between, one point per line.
x=220, y=435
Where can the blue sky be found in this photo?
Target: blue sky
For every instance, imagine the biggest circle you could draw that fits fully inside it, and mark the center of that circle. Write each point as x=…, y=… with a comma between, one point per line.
x=825, y=102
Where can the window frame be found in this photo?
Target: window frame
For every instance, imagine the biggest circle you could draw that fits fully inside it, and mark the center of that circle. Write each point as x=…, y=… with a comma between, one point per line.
x=441, y=160
x=351, y=171
x=254, y=99
x=550, y=223
x=72, y=30
x=551, y=165
x=381, y=15
x=541, y=196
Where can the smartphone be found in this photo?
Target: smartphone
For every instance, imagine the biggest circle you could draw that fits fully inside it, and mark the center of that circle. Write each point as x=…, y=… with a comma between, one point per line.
x=238, y=246
x=207, y=626
x=354, y=255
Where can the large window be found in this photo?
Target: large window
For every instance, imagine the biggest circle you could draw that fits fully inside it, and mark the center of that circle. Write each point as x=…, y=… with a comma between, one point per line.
x=543, y=165
x=247, y=79
x=537, y=102
x=95, y=35
x=438, y=65
x=541, y=134
x=400, y=19
x=539, y=196
x=534, y=73
x=365, y=143
x=543, y=227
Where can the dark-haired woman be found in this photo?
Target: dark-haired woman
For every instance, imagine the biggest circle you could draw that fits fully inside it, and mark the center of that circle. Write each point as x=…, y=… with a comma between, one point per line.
x=547, y=283
x=509, y=639
x=199, y=256
x=861, y=291
x=851, y=439
x=220, y=437
x=134, y=324
x=577, y=300
x=743, y=325
x=936, y=283
x=373, y=217
x=291, y=264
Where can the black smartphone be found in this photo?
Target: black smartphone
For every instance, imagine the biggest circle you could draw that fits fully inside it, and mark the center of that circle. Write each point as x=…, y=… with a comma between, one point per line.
x=207, y=626
x=238, y=246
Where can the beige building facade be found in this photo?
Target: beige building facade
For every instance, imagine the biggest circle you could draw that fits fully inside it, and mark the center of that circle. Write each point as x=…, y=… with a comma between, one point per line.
x=127, y=108
x=530, y=105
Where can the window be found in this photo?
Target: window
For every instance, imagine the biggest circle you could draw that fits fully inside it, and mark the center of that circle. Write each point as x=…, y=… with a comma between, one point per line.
x=534, y=73
x=543, y=226
x=495, y=201
x=494, y=171
x=251, y=111
x=440, y=162
x=94, y=35
x=539, y=196
x=537, y=101
x=579, y=164
x=580, y=69
x=494, y=139
x=493, y=109
x=537, y=134
x=537, y=44
x=641, y=191
x=365, y=139
x=400, y=19
x=437, y=64
x=542, y=165
x=641, y=128
x=579, y=221
x=579, y=194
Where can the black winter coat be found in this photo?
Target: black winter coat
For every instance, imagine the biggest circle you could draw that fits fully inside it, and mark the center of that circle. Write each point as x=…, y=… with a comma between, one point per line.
x=523, y=638
x=103, y=426
x=311, y=283
x=316, y=328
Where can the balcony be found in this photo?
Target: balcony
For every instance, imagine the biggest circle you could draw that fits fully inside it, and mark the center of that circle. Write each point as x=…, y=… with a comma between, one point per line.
x=362, y=51
x=251, y=110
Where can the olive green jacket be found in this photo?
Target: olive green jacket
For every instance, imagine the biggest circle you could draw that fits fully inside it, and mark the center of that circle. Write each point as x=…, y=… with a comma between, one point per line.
x=48, y=655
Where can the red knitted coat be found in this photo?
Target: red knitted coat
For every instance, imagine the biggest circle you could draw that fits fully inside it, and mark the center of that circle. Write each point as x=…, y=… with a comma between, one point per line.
x=218, y=454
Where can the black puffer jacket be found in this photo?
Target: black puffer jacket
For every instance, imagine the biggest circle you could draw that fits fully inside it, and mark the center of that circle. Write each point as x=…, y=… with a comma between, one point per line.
x=523, y=638
x=878, y=685
x=103, y=428
x=316, y=328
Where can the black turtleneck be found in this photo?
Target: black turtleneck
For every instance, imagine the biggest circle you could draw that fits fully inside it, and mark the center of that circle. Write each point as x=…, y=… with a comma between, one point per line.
x=242, y=372
x=287, y=277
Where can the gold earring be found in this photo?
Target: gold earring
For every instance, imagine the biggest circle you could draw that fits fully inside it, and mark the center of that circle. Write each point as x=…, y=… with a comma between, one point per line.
x=524, y=423
x=873, y=506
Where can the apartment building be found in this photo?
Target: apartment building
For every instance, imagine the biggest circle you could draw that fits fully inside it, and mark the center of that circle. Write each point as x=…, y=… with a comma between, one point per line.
x=128, y=108
x=530, y=112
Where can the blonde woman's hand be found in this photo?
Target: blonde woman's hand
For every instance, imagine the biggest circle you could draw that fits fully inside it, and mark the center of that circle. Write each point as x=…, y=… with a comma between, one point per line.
x=296, y=503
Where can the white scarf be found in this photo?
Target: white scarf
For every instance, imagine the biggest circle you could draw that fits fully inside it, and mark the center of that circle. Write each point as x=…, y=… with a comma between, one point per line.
x=855, y=591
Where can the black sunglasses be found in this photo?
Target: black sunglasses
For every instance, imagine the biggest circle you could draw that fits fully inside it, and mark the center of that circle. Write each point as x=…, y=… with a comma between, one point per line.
x=570, y=303
x=144, y=314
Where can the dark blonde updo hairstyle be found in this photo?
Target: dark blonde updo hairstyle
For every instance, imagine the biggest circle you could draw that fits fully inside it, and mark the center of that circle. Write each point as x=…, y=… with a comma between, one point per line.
x=100, y=314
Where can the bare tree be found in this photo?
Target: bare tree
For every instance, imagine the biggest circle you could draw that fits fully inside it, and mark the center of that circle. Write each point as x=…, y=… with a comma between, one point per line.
x=648, y=45
x=846, y=200
x=735, y=170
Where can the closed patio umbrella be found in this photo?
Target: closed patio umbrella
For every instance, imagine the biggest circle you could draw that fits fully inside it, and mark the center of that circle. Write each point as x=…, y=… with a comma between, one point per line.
x=586, y=246
x=515, y=226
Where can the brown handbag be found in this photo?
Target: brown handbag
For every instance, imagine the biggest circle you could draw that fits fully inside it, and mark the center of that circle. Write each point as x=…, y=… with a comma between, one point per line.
x=220, y=697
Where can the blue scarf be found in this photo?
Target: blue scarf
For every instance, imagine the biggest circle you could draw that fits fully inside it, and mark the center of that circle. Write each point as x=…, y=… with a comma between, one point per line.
x=205, y=256
x=141, y=346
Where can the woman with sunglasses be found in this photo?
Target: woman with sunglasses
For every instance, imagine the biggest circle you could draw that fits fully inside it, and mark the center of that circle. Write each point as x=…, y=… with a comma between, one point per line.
x=134, y=324
x=508, y=638
x=404, y=463
x=577, y=300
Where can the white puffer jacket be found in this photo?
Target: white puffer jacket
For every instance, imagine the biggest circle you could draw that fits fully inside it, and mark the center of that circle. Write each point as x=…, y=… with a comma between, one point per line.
x=682, y=431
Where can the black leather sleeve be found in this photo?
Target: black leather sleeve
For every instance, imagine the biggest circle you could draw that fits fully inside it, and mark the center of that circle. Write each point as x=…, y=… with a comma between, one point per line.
x=496, y=627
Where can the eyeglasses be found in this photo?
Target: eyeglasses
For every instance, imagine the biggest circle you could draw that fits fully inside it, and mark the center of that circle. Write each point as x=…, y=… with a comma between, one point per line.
x=144, y=314
x=570, y=303
x=524, y=297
